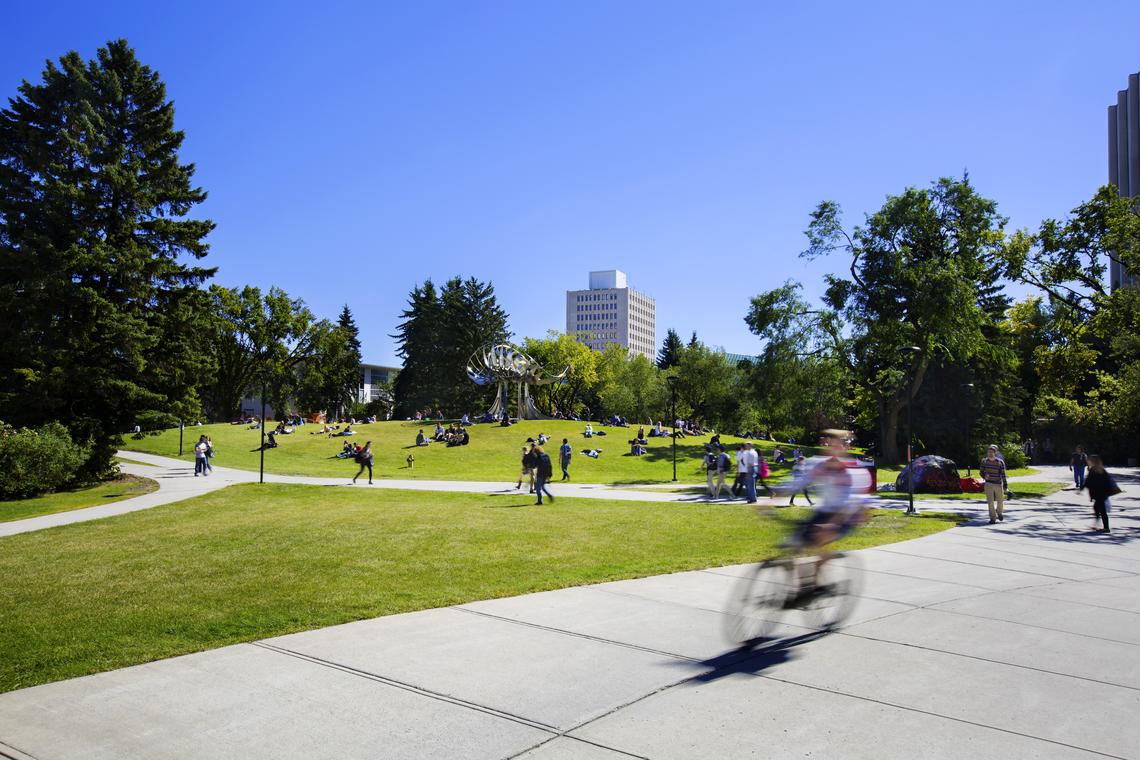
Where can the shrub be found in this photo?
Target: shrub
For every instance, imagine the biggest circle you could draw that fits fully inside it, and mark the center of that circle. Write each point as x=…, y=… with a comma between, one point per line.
x=34, y=462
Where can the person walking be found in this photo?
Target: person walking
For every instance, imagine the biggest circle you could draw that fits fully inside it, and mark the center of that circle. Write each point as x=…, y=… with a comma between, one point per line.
x=741, y=468
x=992, y=470
x=545, y=470
x=565, y=451
x=723, y=465
x=528, y=461
x=1101, y=487
x=751, y=467
x=200, y=449
x=209, y=454
x=1077, y=463
x=710, y=468
x=364, y=458
x=799, y=472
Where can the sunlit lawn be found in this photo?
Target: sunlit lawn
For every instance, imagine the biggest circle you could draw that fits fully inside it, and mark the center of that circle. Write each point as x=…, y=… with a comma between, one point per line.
x=254, y=561
x=1020, y=490
x=124, y=487
x=492, y=455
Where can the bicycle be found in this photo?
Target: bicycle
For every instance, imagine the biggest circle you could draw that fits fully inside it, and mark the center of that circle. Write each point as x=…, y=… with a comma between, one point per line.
x=777, y=586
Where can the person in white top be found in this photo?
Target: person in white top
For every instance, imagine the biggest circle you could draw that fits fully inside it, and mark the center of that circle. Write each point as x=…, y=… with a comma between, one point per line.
x=751, y=462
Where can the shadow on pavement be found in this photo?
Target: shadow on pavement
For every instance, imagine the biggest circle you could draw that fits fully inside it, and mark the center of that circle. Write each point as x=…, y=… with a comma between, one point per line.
x=752, y=658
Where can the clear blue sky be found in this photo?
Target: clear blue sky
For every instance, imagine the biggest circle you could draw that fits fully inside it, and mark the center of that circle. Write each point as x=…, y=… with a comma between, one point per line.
x=352, y=150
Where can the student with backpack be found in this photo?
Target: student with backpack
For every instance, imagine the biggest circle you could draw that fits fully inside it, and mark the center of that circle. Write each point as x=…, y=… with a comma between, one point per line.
x=545, y=470
x=364, y=458
x=723, y=466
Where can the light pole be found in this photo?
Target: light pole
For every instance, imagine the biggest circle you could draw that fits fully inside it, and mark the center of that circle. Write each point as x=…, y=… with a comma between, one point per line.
x=672, y=380
x=261, y=472
x=910, y=510
x=969, y=425
x=181, y=425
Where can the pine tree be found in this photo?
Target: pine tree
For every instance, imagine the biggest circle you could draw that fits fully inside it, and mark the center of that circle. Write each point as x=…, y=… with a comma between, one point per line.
x=417, y=387
x=670, y=350
x=97, y=310
x=472, y=320
x=346, y=364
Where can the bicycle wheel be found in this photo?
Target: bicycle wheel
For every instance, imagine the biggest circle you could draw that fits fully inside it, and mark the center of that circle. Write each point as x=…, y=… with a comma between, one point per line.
x=757, y=600
x=839, y=584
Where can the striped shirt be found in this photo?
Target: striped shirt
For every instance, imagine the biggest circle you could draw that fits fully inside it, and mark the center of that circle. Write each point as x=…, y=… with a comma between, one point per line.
x=992, y=472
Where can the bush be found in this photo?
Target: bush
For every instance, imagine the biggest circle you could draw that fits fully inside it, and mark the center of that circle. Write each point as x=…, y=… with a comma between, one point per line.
x=1011, y=452
x=34, y=462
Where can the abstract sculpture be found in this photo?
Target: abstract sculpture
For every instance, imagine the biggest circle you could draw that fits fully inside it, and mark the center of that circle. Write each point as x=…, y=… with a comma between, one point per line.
x=504, y=364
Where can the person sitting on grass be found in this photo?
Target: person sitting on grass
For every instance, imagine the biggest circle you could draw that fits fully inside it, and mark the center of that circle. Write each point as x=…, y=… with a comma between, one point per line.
x=439, y=434
x=271, y=443
x=421, y=439
x=347, y=451
x=636, y=448
x=589, y=431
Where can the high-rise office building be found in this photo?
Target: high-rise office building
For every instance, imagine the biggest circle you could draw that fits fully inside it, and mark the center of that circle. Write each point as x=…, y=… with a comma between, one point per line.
x=1124, y=160
x=612, y=312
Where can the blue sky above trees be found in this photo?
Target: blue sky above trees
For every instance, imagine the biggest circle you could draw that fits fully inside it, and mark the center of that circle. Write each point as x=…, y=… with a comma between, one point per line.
x=351, y=151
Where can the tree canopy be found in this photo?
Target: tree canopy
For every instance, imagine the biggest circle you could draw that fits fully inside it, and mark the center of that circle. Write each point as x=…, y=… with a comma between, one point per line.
x=97, y=303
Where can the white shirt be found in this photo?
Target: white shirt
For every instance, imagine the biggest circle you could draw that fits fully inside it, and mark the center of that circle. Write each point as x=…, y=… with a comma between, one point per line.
x=746, y=460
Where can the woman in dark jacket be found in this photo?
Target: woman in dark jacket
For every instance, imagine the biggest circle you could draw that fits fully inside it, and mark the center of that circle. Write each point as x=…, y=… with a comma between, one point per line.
x=1100, y=486
x=365, y=459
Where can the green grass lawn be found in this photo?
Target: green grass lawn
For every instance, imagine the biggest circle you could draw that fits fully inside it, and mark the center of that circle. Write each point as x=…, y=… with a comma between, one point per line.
x=890, y=473
x=1021, y=490
x=254, y=561
x=123, y=487
x=493, y=454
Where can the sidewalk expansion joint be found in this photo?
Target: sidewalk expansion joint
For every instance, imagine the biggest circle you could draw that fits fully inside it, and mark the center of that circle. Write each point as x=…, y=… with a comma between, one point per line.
x=980, y=564
x=408, y=687
x=1067, y=549
x=978, y=658
x=931, y=713
x=8, y=752
x=575, y=634
x=1004, y=550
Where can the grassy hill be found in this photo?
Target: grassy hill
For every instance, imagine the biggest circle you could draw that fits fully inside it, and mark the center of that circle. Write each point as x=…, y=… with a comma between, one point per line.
x=493, y=454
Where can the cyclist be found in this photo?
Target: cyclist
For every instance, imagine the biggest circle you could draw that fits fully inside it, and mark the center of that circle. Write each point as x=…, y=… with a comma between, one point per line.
x=839, y=508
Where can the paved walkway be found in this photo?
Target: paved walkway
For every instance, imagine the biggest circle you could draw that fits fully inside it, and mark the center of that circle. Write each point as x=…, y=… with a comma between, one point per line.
x=176, y=482
x=1008, y=641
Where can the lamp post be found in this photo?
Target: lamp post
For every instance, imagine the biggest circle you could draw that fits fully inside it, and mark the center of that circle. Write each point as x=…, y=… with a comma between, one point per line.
x=181, y=425
x=672, y=380
x=261, y=472
x=910, y=510
x=969, y=425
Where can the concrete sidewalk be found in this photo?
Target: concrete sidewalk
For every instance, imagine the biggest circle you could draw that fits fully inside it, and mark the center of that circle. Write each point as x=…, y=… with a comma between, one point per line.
x=1015, y=640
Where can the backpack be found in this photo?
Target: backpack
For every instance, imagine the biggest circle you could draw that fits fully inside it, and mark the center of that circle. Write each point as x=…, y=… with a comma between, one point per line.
x=723, y=463
x=544, y=467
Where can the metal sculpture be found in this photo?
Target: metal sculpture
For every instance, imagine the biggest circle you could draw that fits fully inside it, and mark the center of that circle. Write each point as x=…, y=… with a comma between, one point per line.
x=504, y=364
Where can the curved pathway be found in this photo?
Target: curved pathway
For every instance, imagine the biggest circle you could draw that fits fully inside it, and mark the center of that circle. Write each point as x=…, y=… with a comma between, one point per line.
x=176, y=481
x=1015, y=640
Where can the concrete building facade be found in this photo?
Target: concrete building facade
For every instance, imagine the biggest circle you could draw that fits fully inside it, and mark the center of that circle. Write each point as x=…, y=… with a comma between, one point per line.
x=612, y=312
x=1124, y=159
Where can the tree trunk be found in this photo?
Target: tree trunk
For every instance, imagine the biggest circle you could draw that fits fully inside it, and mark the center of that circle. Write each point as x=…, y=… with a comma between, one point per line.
x=889, y=431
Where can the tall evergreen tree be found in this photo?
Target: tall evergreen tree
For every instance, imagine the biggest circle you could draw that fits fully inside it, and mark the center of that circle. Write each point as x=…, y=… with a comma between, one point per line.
x=670, y=350
x=694, y=341
x=417, y=386
x=472, y=320
x=97, y=308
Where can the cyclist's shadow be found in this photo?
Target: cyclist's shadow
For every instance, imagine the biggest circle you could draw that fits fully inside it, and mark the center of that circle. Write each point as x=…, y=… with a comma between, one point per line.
x=753, y=657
